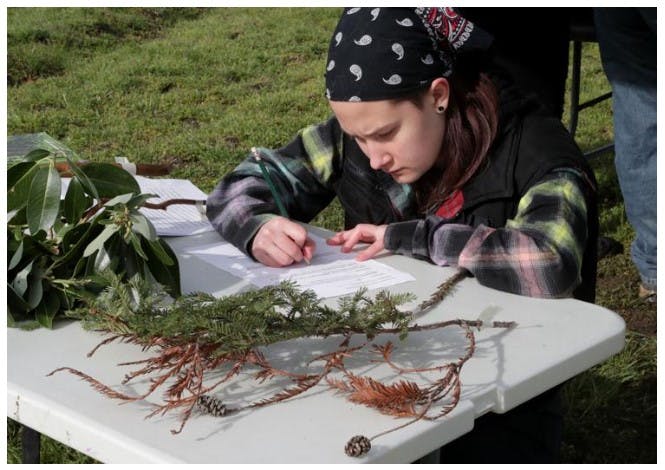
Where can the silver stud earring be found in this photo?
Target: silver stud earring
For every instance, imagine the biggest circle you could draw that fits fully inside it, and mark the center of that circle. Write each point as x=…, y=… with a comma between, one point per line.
x=441, y=109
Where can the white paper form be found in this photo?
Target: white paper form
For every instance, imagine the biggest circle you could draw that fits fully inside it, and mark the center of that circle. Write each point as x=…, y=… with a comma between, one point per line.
x=177, y=219
x=330, y=274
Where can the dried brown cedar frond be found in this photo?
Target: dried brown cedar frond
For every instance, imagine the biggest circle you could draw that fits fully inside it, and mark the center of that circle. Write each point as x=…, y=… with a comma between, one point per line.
x=106, y=341
x=96, y=384
x=301, y=387
x=456, y=388
x=187, y=357
x=340, y=384
x=397, y=399
x=444, y=289
x=335, y=359
x=385, y=350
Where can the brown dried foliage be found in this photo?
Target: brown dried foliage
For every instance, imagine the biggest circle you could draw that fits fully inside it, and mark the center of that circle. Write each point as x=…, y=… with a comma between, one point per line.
x=187, y=365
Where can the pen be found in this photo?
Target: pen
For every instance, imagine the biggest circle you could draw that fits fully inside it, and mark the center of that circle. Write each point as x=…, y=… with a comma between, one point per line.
x=271, y=186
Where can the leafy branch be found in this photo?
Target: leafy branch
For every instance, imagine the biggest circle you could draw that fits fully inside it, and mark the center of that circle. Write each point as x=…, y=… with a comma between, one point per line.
x=56, y=246
x=198, y=334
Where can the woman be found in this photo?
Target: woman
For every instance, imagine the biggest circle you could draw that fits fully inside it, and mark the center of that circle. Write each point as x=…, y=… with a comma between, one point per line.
x=432, y=158
x=424, y=164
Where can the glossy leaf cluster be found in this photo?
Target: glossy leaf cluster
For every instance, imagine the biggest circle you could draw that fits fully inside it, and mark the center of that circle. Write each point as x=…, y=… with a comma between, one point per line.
x=57, y=246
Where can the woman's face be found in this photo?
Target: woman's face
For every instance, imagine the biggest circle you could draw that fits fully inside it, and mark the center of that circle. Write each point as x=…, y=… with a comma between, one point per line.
x=398, y=137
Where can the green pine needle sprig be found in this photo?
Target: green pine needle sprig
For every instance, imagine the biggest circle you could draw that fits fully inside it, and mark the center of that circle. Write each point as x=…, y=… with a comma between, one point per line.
x=238, y=322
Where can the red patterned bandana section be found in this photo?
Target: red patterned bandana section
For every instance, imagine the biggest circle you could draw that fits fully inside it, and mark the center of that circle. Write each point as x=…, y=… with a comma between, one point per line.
x=446, y=25
x=450, y=30
x=451, y=206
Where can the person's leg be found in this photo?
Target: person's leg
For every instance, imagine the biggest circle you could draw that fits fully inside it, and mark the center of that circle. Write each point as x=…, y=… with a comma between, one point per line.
x=636, y=168
x=530, y=433
x=628, y=50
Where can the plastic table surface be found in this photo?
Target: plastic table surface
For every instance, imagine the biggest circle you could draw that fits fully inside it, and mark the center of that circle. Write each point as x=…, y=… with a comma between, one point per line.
x=553, y=341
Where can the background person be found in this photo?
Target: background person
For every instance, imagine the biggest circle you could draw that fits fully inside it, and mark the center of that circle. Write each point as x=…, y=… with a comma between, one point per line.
x=627, y=40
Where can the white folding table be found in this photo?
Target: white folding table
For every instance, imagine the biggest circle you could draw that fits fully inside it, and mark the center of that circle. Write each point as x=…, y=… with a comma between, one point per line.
x=554, y=341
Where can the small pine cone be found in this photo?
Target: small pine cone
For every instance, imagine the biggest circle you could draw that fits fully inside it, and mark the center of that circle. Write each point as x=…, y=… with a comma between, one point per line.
x=357, y=446
x=211, y=405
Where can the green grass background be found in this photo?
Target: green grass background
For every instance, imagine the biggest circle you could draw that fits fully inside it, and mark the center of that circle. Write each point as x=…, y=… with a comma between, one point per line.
x=199, y=87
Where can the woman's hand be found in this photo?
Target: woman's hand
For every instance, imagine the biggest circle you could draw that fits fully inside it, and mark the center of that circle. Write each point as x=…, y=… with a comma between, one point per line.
x=282, y=242
x=361, y=233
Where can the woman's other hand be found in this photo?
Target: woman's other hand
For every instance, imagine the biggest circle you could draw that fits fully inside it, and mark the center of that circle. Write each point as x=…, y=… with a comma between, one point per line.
x=282, y=242
x=361, y=233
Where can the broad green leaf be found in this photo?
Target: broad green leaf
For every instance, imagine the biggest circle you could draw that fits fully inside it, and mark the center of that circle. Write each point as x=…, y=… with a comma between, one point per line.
x=18, y=217
x=141, y=225
x=138, y=201
x=120, y=199
x=161, y=253
x=32, y=249
x=20, y=282
x=35, y=288
x=116, y=250
x=19, y=179
x=47, y=309
x=124, y=260
x=67, y=298
x=76, y=201
x=136, y=244
x=132, y=264
x=16, y=258
x=18, y=171
x=17, y=306
x=110, y=180
x=63, y=229
x=82, y=178
x=36, y=154
x=14, y=240
x=76, y=235
x=75, y=240
x=39, y=236
x=98, y=242
x=80, y=267
x=167, y=275
x=57, y=225
x=102, y=260
x=44, y=199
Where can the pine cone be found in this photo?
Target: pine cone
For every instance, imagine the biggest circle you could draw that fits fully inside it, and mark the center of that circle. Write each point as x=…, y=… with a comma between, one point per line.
x=357, y=446
x=211, y=405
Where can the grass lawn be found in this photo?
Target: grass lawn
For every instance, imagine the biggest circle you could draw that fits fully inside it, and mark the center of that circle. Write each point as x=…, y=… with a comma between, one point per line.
x=198, y=87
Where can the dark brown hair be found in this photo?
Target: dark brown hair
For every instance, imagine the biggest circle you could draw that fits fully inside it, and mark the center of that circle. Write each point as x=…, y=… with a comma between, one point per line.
x=471, y=126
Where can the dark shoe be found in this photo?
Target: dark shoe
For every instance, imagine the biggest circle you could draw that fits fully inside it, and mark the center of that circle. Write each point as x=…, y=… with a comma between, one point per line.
x=608, y=247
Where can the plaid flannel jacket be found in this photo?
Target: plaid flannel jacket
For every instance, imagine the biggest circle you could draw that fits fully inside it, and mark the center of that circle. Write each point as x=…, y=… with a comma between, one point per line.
x=537, y=253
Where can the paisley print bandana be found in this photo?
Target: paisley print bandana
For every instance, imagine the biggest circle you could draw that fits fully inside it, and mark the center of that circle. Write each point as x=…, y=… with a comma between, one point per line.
x=386, y=53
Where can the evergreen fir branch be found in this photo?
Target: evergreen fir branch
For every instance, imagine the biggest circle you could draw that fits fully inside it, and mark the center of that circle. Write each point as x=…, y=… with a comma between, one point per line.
x=247, y=320
x=197, y=334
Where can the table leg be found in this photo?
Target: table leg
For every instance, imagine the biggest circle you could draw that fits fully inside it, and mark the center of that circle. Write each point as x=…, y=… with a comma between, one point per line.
x=30, y=443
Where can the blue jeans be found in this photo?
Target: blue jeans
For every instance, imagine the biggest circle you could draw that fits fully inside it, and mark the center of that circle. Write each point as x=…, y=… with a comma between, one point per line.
x=627, y=39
